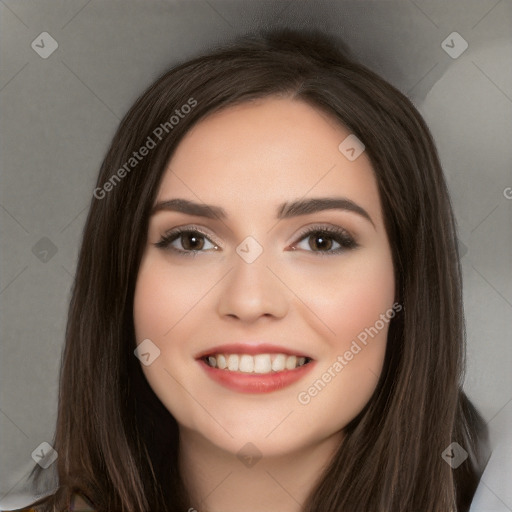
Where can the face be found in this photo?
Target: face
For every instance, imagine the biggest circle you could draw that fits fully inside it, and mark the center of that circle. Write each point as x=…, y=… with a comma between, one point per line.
x=262, y=287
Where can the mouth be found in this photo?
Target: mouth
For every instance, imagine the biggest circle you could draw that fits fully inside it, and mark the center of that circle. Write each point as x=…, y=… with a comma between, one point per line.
x=259, y=364
x=249, y=368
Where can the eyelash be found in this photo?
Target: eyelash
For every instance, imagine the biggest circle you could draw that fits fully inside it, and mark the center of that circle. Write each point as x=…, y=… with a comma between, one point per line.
x=339, y=235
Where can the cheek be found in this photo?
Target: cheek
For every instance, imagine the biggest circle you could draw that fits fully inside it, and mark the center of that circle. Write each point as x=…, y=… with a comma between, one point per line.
x=360, y=304
x=348, y=298
x=357, y=307
x=162, y=299
x=163, y=296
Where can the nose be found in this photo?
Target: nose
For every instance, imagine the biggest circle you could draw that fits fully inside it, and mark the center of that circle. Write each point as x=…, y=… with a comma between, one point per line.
x=252, y=290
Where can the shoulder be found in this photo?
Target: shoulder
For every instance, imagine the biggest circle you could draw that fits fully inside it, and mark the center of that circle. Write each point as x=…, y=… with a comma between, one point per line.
x=78, y=503
x=493, y=490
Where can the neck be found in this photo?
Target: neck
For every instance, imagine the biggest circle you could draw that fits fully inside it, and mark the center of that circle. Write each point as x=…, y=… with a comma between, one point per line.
x=219, y=481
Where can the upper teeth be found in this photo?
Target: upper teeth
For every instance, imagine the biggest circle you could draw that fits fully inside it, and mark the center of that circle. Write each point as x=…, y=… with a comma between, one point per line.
x=260, y=363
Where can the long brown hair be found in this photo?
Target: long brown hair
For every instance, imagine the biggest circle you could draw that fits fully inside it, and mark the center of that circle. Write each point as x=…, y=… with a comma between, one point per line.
x=116, y=442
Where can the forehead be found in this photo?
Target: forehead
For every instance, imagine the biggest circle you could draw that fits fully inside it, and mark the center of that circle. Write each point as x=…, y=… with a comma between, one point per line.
x=267, y=151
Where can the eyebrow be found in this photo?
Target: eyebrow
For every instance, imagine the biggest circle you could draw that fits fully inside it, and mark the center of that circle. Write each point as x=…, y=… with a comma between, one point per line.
x=284, y=211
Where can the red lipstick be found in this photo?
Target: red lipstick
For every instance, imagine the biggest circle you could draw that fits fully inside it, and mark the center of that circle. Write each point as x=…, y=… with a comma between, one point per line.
x=264, y=381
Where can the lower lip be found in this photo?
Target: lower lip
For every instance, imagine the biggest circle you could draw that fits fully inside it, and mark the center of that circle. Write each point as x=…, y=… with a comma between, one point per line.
x=254, y=382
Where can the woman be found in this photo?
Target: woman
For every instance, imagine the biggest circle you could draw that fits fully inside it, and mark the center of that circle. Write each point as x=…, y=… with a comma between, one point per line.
x=272, y=368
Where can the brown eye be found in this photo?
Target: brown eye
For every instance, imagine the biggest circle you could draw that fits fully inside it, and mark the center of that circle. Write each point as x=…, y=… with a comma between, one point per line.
x=321, y=239
x=320, y=242
x=191, y=240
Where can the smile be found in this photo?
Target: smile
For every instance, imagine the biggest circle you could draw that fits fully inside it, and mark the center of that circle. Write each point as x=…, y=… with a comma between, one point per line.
x=259, y=373
x=259, y=364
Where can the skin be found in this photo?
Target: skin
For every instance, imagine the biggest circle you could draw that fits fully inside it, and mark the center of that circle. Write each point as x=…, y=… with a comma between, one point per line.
x=248, y=159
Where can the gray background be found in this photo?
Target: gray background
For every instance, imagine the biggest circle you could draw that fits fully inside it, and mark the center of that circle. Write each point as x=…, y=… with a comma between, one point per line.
x=59, y=114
